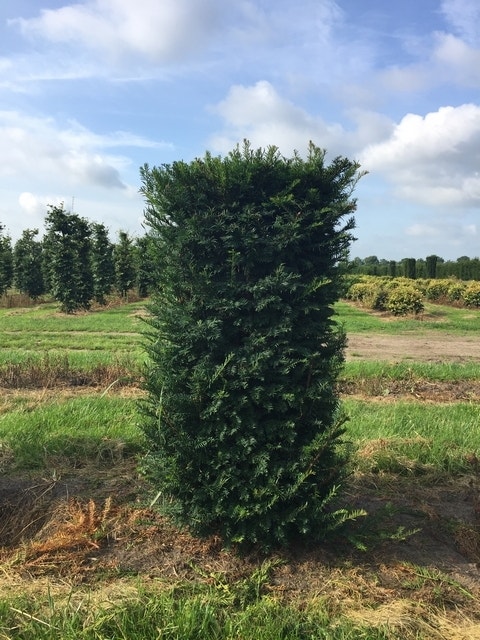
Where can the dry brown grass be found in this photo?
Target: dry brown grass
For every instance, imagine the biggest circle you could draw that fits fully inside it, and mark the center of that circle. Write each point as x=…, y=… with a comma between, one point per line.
x=50, y=373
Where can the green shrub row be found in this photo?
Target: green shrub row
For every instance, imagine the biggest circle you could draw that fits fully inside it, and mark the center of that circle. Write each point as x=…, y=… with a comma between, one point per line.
x=403, y=296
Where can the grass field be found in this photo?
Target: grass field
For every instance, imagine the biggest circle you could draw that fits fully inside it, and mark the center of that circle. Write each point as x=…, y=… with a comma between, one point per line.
x=84, y=554
x=436, y=318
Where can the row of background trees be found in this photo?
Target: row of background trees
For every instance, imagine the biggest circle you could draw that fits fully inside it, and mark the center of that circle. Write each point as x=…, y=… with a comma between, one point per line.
x=75, y=262
x=433, y=266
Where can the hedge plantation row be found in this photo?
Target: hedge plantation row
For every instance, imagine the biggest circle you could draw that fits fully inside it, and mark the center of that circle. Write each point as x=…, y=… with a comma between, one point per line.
x=403, y=296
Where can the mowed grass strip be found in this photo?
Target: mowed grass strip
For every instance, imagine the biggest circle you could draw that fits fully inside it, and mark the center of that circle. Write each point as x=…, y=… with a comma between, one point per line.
x=406, y=436
x=214, y=607
x=47, y=317
x=414, y=437
x=41, y=346
x=38, y=434
x=404, y=371
x=435, y=318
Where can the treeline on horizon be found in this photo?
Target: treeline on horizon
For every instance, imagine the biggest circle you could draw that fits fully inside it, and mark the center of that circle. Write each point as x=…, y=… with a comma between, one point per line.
x=433, y=267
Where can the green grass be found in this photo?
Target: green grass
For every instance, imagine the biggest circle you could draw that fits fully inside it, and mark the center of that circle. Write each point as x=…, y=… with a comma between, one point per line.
x=404, y=371
x=73, y=430
x=413, y=437
x=221, y=612
x=437, y=318
x=422, y=441
x=36, y=331
x=41, y=345
x=78, y=359
x=47, y=317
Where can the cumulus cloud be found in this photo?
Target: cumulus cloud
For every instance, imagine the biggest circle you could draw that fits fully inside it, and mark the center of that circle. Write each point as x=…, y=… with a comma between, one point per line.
x=73, y=154
x=160, y=31
x=260, y=114
x=434, y=159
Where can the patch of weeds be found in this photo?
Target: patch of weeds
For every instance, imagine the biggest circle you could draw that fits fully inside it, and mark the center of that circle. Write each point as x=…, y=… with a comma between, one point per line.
x=376, y=529
x=243, y=592
x=434, y=586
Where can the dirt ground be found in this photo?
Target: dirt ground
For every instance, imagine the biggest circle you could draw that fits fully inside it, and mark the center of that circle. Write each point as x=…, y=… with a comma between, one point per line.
x=419, y=543
x=395, y=349
x=400, y=348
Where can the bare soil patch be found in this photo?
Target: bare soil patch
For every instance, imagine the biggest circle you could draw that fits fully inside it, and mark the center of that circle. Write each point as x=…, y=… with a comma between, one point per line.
x=399, y=348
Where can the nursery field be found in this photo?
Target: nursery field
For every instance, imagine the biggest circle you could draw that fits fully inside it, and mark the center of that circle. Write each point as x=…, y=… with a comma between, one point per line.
x=85, y=552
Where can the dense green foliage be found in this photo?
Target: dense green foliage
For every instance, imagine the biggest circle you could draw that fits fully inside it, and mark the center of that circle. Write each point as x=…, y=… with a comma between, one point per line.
x=6, y=261
x=145, y=265
x=433, y=266
x=124, y=261
x=27, y=264
x=68, y=250
x=75, y=263
x=103, y=267
x=242, y=413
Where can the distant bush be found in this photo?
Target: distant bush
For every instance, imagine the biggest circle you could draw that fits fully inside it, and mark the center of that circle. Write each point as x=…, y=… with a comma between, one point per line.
x=402, y=295
x=404, y=300
x=471, y=294
x=456, y=291
x=369, y=294
x=438, y=290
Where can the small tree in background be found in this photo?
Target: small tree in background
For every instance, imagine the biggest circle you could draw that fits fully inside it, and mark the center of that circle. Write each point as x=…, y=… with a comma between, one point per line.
x=67, y=248
x=410, y=268
x=242, y=413
x=27, y=264
x=103, y=266
x=145, y=265
x=124, y=260
x=6, y=261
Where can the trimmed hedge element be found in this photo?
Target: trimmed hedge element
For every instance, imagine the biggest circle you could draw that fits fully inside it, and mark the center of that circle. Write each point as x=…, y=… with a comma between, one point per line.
x=242, y=413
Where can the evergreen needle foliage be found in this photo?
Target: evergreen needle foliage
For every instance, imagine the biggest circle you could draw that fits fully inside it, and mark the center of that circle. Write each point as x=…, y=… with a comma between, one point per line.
x=241, y=413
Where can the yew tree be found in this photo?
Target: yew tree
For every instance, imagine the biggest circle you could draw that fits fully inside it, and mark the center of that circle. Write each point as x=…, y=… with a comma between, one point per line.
x=67, y=252
x=242, y=413
x=27, y=264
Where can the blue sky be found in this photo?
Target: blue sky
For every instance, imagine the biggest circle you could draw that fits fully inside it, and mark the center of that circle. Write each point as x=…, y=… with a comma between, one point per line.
x=90, y=91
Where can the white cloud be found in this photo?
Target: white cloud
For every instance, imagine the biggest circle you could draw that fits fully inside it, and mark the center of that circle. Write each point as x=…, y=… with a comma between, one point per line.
x=260, y=114
x=159, y=31
x=456, y=61
x=464, y=17
x=423, y=230
x=434, y=159
x=35, y=205
x=72, y=155
x=454, y=236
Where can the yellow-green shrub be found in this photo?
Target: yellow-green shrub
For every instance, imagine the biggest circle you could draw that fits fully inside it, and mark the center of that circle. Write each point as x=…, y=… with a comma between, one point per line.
x=369, y=294
x=438, y=290
x=471, y=294
x=404, y=300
